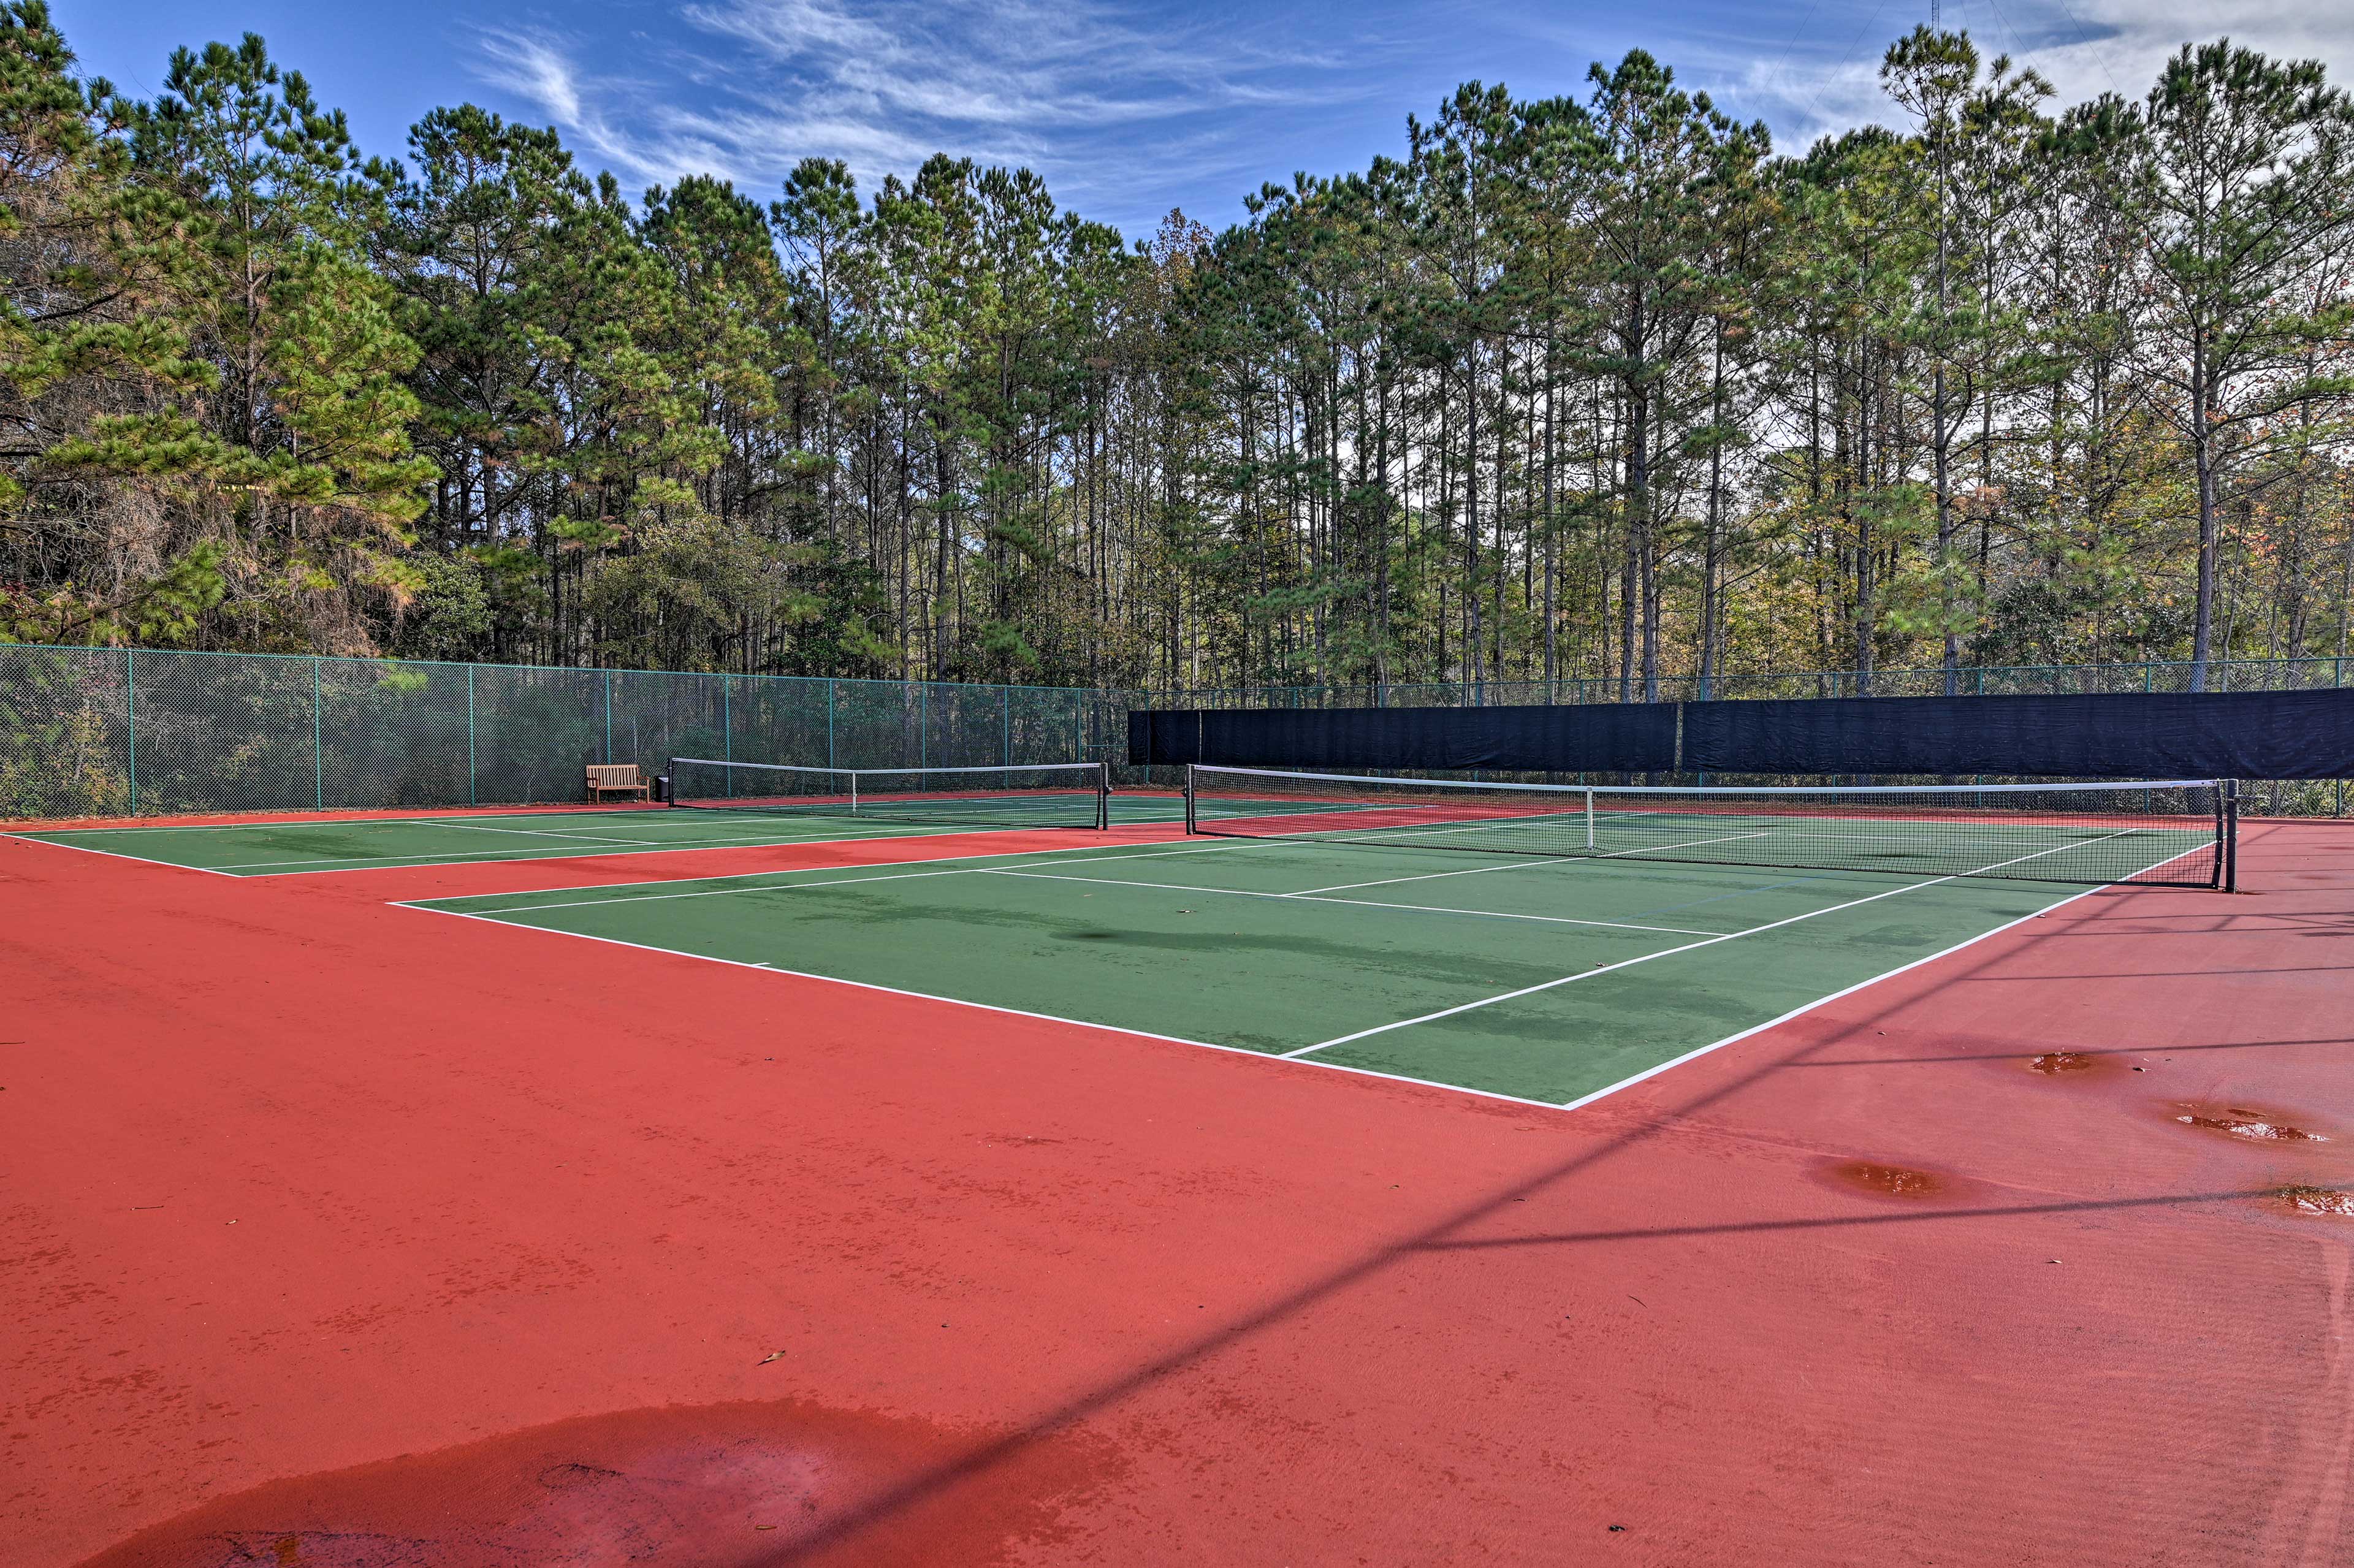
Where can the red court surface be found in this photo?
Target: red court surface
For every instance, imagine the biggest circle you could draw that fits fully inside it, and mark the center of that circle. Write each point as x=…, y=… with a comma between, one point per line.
x=341, y=1235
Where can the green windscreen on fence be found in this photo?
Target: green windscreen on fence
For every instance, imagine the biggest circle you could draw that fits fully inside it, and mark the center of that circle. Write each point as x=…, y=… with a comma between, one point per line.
x=114, y=732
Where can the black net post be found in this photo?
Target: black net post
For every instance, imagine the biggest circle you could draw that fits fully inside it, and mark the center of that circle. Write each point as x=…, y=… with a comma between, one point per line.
x=1192, y=828
x=2228, y=829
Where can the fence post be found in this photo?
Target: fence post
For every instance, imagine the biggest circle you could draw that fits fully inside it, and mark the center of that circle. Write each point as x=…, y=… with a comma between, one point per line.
x=728, y=719
x=609, y=715
x=473, y=788
x=828, y=721
x=318, y=753
x=923, y=725
x=130, y=722
x=1007, y=696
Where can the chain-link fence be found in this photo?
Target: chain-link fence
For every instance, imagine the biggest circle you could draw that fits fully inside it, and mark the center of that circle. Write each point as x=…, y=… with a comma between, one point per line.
x=114, y=732
x=91, y=732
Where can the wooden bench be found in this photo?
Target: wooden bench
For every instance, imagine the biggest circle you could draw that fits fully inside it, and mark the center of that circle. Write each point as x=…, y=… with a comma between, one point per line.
x=618, y=778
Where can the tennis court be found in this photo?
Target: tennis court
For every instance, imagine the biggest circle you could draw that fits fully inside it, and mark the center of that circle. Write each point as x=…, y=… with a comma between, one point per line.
x=287, y=849
x=305, y=846
x=1547, y=979
x=1086, y=1145
x=1539, y=943
x=1586, y=938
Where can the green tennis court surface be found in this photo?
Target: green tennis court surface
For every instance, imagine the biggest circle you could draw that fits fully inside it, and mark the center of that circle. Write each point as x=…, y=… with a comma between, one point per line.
x=1540, y=979
x=279, y=849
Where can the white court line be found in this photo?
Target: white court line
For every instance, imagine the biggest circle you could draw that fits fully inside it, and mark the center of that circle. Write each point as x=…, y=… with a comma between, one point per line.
x=335, y=864
x=887, y=875
x=1525, y=863
x=1670, y=952
x=541, y=833
x=331, y=865
x=334, y=822
x=1500, y=914
x=396, y=856
x=1805, y=1008
x=770, y=968
x=1539, y=861
x=398, y=861
x=983, y=854
x=116, y=855
x=717, y=892
x=1358, y=903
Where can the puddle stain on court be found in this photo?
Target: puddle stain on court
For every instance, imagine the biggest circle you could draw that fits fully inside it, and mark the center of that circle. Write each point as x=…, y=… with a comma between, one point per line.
x=2055, y=1064
x=1896, y=935
x=718, y=1486
x=1215, y=941
x=1900, y=1181
x=2244, y=1122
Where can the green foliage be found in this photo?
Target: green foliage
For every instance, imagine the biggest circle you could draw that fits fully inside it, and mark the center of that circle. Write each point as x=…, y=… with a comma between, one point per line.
x=1587, y=386
x=395, y=679
x=71, y=767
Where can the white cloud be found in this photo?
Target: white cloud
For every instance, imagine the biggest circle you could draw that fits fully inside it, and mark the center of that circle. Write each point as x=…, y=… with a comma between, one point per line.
x=624, y=123
x=2118, y=45
x=1103, y=99
x=1125, y=110
x=533, y=66
x=1825, y=77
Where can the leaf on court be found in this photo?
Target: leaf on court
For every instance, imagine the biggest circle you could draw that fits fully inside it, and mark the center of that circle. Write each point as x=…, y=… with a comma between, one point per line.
x=771, y=1356
x=2319, y=1201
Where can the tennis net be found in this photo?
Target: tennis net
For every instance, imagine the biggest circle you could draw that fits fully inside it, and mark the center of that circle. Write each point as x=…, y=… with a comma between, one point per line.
x=1044, y=795
x=2176, y=833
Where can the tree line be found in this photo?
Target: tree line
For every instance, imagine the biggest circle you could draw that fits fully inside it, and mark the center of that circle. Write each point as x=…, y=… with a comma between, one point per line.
x=1591, y=387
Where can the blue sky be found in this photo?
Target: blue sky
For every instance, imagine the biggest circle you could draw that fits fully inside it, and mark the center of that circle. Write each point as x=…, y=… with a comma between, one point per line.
x=1127, y=108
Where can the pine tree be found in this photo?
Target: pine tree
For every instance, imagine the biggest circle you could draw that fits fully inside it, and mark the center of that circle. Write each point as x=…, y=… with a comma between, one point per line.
x=2239, y=181
x=311, y=502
